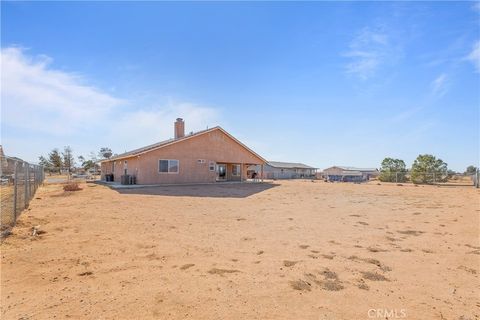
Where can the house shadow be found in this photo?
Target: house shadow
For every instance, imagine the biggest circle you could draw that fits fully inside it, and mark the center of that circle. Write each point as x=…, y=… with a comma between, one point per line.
x=218, y=190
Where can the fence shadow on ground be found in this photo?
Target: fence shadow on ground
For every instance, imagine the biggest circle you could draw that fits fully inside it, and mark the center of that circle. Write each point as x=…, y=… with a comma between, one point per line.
x=236, y=190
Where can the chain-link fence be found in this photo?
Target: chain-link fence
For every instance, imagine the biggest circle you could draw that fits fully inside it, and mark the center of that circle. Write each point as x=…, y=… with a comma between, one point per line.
x=19, y=181
x=433, y=178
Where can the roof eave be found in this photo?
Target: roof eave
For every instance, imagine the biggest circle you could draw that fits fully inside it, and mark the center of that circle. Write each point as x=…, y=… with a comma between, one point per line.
x=185, y=138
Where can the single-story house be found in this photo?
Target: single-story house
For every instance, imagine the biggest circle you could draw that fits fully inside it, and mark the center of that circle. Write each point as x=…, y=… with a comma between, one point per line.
x=349, y=174
x=286, y=170
x=206, y=156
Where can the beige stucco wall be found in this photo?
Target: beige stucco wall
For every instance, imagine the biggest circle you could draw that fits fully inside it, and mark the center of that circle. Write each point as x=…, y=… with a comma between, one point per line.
x=211, y=146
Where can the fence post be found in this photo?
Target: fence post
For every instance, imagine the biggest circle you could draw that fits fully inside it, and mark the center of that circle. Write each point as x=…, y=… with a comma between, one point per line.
x=15, y=183
x=34, y=180
x=25, y=174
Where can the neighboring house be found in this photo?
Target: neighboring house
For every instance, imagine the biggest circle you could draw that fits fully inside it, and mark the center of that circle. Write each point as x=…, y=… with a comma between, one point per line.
x=205, y=156
x=349, y=174
x=286, y=170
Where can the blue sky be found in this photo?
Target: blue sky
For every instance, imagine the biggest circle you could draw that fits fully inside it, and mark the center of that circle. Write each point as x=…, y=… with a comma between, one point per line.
x=324, y=83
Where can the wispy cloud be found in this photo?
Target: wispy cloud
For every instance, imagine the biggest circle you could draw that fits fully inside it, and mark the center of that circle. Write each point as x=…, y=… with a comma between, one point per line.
x=367, y=52
x=36, y=96
x=439, y=85
x=40, y=99
x=476, y=6
x=154, y=124
x=474, y=56
x=406, y=114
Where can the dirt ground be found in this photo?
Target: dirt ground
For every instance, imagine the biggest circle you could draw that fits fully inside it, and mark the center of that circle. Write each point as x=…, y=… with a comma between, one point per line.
x=282, y=250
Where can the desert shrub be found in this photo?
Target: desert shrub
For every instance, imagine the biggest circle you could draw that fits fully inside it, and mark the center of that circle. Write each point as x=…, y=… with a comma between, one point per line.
x=393, y=170
x=72, y=186
x=428, y=169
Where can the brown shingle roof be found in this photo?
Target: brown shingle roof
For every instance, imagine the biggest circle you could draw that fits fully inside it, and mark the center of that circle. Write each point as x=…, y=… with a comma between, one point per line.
x=171, y=141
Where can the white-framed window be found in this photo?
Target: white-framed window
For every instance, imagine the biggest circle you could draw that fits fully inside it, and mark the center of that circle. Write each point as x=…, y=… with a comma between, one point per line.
x=168, y=166
x=211, y=166
x=201, y=161
x=235, y=170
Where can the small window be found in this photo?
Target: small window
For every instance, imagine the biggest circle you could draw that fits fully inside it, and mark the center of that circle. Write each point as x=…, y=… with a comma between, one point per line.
x=173, y=166
x=168, y=166
x=236, y=170
x=211, y=166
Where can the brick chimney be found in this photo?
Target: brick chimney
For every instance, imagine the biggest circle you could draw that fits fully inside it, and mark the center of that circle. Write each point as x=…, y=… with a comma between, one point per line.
x=179, y=128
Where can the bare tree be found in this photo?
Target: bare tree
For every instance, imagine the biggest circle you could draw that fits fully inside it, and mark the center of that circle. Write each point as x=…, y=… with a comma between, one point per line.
x=68, y=159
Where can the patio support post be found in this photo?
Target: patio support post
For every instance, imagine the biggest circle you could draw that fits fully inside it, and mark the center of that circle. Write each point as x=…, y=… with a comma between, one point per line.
x=241, y=172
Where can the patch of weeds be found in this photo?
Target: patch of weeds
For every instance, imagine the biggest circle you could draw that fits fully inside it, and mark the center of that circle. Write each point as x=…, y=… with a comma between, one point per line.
x=373, y=276
x=469, y=270
x=330, y=285
x=363, y=286
x=222, y=271
x=301, y=285
x=392, y=239
x=372, y=249
x=72, y=186
x=411, y=232
x=329, y=274
x=186, y=266
x=288, y=263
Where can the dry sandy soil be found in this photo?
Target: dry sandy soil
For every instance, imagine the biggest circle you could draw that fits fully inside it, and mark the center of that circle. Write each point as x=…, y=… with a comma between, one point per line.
x=285, y=250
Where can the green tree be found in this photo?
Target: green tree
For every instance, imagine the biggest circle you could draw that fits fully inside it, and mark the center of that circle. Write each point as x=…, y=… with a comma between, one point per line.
x=471, y=170
x=88, y=164
x=428, y=169
x=105, y=153
x=393, y=170
x=55, y=160
x=68, y=159
x=45, y=163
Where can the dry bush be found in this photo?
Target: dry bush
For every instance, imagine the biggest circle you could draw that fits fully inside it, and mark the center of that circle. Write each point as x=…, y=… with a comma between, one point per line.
x=72, y=186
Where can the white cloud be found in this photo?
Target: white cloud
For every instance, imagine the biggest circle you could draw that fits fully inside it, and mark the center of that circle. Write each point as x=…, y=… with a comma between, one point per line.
x=43, y=108
x=38, y=97
x=142, y=127
x=368, y=50
x=474, y=56
x=439, y=85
